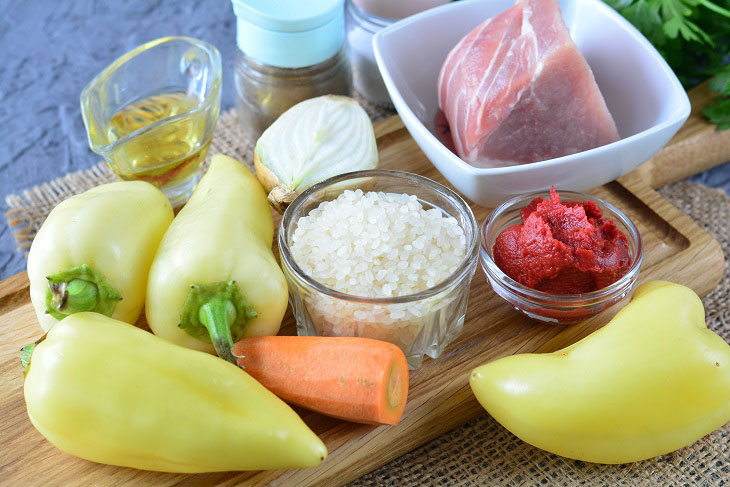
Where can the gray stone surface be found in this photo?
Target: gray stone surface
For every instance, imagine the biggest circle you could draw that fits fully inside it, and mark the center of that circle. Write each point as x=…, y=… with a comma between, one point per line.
x=717, y=177
x=50, y=49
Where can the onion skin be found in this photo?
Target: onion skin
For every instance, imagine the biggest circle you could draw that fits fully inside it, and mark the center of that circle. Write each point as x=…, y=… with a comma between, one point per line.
x=279, y=196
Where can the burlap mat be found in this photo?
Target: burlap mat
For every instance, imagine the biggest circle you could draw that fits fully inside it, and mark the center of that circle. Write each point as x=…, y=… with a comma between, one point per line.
x=481, y=452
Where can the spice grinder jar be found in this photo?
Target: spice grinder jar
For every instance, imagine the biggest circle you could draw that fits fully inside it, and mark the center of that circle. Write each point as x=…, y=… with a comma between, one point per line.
x=289, y=51
x=361, y=28
x=364, y=19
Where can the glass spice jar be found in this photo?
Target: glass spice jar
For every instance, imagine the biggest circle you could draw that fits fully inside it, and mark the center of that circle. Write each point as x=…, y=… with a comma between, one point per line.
x=361, y=27
x=289, y=51
x=364, y=19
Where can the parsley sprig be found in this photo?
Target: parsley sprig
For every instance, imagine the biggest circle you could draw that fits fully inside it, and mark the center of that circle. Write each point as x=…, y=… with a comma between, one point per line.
x=694, y=38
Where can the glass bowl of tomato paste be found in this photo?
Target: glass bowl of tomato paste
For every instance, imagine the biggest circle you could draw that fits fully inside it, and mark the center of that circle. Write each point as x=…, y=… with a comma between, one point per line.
x=560, y=257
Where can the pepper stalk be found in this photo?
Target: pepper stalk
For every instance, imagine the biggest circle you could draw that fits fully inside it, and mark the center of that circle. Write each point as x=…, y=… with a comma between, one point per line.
x=27, y=351
x=217, y=313
x=25, y=354
x=77, y=289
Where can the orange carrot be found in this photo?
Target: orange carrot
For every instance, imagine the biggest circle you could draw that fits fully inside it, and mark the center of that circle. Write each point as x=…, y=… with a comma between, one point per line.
x=356, y=379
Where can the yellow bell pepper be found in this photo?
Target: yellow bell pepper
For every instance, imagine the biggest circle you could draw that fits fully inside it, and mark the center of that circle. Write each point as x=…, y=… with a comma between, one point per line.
x=651, y=381
x=214, y=278
x=94, y=251
x=112, y=393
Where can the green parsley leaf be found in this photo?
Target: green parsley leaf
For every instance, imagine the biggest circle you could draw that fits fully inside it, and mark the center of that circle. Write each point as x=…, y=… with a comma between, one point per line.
x=694, y=38
x=718, y=112
x=721, y=82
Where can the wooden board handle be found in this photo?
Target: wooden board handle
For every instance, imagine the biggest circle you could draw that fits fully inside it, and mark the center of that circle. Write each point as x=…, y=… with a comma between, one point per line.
x=696, y=147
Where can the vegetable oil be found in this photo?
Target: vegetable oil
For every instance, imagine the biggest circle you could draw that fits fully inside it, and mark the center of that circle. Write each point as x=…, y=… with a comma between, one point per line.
x=167, y=154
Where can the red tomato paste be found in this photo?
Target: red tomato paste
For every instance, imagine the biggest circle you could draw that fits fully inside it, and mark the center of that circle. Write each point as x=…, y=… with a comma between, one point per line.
x=563, y=248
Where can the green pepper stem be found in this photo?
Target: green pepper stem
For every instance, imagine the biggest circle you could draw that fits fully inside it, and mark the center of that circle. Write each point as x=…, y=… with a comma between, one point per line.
x=27, y=351
x=79, y=289
x=218, y=314
x=25, y=354
x=75, y=296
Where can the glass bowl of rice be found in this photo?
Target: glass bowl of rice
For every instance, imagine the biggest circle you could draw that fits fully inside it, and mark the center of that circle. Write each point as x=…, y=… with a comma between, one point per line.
x=388, y=255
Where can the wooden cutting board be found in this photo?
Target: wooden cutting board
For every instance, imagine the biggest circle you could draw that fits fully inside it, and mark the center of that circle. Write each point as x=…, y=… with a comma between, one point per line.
x=676, y=249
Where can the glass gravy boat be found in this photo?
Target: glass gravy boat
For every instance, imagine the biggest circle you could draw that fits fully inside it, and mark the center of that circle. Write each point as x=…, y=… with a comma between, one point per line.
x=152, y=112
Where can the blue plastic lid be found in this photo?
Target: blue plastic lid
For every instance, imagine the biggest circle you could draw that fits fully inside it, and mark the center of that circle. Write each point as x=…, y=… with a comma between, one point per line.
x=290, y=33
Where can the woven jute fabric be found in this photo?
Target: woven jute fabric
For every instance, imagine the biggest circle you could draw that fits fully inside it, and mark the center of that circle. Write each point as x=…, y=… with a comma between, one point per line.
x=480, y=452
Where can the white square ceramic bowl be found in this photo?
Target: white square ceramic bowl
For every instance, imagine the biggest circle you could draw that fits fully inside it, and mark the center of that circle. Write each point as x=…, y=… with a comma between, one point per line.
x=644, y=96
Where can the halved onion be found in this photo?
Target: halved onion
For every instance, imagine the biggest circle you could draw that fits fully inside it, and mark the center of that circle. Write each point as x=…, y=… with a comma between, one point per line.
x=312, y=141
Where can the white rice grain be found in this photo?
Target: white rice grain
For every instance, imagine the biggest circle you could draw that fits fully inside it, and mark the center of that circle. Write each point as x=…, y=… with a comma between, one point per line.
x=378, y=244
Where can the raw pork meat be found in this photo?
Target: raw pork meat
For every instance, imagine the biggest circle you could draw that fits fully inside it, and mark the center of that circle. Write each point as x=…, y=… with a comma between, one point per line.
x=517, y=90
